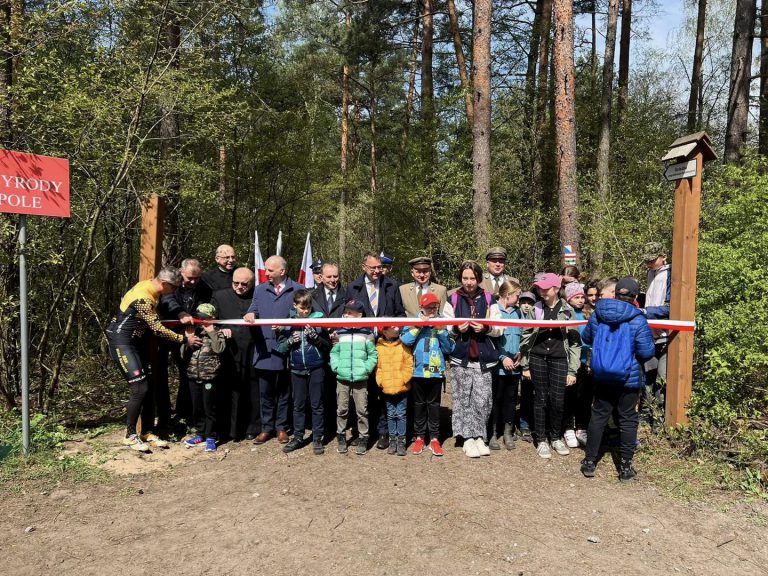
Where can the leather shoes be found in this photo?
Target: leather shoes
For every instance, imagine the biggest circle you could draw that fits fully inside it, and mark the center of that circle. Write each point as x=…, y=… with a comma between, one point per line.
x=261, y=438
x=282, y=437
x=250, y=437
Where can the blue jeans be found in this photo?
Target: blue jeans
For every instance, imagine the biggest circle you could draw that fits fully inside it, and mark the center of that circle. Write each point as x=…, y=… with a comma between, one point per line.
x=396, y=408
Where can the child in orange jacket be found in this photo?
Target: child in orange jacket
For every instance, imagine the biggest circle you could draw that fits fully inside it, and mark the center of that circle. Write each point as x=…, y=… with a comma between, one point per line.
x=393, y=375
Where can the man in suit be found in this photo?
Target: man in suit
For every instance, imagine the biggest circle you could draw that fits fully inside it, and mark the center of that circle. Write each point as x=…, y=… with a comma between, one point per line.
x=273, y=299
x=380, y=297
x=329, y=296
x=411, y=293
x=495, y=262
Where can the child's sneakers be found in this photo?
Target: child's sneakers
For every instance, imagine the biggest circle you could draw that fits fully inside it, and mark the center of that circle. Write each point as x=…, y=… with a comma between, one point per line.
x=418, y=446
x=196, y=440
x=588, y=468
x=560, y=447
x=294, y=444
x=317, y=446
x=400, y=445
x=154, y=440
x=581, y=437
x=542, y=449
x=435, y=447
x=210, y=444
x=342, y=440
x=470, y=448
x=392, y=445
x=362, y=446
x=135, y=443
x=627, y=472
x=525, y=434
x=482, y=448
x=570, y=439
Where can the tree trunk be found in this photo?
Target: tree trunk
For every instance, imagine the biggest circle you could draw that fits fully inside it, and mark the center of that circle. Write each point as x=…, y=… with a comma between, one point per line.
x=374, y=162
x=741, y=70
x=169, y=137
x=542, y=91
x=763, y=118
x=411, y=87
x=459, y=49
x=593, y=52
x=481, y=127
x=696, y=75
x=344, y=147
x=223, y=173
x=624, y=42
x=530, y=73
x=427, y=90
x=6, y=74
x=565, y=125
x=604, y=143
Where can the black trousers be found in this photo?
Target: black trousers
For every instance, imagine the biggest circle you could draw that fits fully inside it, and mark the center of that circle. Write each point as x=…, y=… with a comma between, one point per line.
x=131, y=362
x=426, y=406
x=504, y=389
x=549, y=376
x=308, y=386
x=274, y=399
x=578, y=401
x=168, y=352
x=608, y=398
x=203, y=394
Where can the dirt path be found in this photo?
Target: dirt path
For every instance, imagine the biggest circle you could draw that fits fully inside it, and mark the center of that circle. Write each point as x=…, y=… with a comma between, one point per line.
x=258, y=511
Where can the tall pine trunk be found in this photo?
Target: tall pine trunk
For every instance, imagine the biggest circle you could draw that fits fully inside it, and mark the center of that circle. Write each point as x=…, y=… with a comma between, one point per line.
x=542, y=92
x=411, y=95
x=624, y=45
x=604, y=143
x=169, y=138
x=344, y=146
x=696, y=74
x=530, y=79
x=481, y=127
x=593, y=51
x=453, y=18
x=763, y=118
x=565, y=125
x=741, y=70
x=427, y=91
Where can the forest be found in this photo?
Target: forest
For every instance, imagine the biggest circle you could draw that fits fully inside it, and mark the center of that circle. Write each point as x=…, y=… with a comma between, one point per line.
x=438, y=127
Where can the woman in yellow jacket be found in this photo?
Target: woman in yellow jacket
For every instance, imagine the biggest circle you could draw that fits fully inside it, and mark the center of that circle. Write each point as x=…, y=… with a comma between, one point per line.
x=393, y=375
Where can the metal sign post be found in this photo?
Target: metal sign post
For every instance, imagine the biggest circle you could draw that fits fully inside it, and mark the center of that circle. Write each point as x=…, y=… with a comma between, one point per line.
x=24, y=333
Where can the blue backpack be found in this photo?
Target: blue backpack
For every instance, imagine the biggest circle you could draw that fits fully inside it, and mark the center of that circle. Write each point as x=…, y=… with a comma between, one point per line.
x=612, y=353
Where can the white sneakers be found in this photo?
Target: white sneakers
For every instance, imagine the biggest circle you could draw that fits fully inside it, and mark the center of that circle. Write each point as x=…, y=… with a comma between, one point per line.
x=581, y=437
x=482, y=447
x=560, y=447
x=470, y=448
x=154, y=440
x=570, y=439
x=134, y=443
x=542, y=449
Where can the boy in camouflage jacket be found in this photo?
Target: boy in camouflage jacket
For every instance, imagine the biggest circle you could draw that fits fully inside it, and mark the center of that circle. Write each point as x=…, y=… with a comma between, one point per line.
x=203, y=366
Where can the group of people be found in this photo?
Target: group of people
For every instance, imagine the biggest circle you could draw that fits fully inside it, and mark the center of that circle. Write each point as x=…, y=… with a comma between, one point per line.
x=256, y=382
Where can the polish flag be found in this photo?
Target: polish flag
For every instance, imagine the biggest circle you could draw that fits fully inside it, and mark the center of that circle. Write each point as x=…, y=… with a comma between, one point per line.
x=279, y=247
x=258, y=262
x=305, y=273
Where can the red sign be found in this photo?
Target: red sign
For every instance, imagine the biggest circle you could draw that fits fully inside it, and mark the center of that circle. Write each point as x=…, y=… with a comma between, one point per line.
x=32, y=184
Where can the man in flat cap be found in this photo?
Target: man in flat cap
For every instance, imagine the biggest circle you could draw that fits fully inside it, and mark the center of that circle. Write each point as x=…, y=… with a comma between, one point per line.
x=495, y=262
x=411, y=293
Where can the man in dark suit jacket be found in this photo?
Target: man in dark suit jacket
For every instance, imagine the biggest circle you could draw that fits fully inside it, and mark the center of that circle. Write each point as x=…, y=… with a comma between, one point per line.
x=380, y=297
x=328, y=297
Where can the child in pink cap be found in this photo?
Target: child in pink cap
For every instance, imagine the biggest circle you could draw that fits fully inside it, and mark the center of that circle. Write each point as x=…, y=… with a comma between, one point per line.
x=551, y=358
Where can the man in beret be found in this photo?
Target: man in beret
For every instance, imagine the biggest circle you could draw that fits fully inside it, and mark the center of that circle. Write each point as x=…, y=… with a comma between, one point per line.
x=411, y=293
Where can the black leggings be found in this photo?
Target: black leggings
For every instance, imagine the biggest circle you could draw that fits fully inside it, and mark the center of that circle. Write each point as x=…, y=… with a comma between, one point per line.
x=504, y=402
x=131, y=361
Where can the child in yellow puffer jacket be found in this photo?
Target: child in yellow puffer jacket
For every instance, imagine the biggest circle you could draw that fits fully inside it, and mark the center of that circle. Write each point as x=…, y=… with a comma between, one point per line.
x=393, y=375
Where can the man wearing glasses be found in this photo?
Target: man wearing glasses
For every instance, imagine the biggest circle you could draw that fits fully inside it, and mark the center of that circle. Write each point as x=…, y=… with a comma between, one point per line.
x=127, y=335
x=220, y=277
x=238, y=372
x=411, y=293
x=380, y=297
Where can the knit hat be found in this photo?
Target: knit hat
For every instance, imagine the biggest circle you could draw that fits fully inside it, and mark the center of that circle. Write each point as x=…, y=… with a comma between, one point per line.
x=428, y=299
x=573, y=289
x=548, y=280
x=206, y=311
x=354, y=306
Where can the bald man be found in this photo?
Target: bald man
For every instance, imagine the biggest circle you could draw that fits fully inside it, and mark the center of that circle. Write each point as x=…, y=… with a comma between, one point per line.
x=274, y=300
x=220, y=277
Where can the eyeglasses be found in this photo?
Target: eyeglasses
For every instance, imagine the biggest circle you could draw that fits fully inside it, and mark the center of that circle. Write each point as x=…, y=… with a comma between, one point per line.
x=374, y=267
x=239, y=283
x=226, y=257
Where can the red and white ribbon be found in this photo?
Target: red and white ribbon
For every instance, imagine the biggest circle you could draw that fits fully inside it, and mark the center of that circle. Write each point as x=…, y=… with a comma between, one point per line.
x=670, y=325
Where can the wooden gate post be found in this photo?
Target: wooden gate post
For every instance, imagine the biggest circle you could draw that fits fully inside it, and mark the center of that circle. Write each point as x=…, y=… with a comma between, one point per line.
x=152, y=226
x=689, y=154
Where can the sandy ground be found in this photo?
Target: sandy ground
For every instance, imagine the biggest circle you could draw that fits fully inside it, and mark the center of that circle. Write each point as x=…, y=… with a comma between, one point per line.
x=254, y=510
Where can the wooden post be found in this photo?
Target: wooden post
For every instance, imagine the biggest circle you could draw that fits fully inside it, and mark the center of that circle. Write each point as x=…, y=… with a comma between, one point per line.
x=151, y=253
x=691, y=152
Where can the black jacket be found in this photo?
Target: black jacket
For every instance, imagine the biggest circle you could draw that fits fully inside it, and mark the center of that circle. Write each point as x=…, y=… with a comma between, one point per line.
x=230, y=306
x=320, y=302
x=390, y=302
x=217, y=279
x=183, y=300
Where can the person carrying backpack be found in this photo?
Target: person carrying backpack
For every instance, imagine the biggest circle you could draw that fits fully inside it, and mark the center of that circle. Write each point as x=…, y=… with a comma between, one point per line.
x=621, y=343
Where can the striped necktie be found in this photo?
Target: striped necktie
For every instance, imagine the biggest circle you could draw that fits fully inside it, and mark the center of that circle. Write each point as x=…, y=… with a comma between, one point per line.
x=373, y=297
